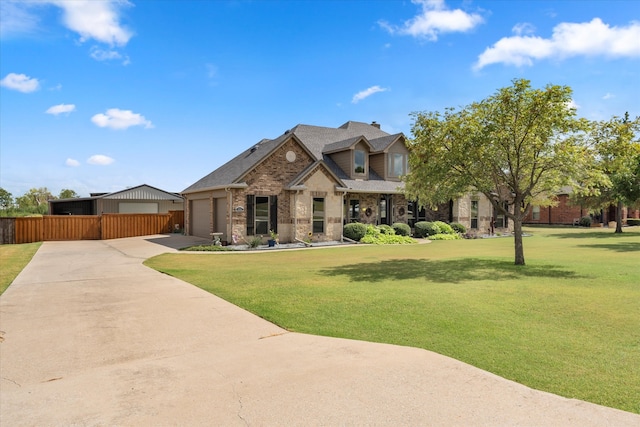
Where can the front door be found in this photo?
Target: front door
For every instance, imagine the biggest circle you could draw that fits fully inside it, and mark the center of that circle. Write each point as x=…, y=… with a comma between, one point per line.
x=386, y=209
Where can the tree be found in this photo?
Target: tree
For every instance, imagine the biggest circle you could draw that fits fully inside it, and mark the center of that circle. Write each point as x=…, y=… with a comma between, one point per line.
x=517, y=147
x=6, y=199
x=614, y=177
x=36, y=200
x=68, y=194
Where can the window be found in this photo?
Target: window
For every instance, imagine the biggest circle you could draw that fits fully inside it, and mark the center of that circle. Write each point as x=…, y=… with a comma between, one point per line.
x=383, y=211
x=354, y=210
x=262, y=213
x=318, y=215
x=474, y=214
x=359, y=161
x=397, y=164
x=501, y=220
x=535, y=213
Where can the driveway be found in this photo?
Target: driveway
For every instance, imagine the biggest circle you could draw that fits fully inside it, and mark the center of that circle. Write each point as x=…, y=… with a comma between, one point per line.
x=91, y=337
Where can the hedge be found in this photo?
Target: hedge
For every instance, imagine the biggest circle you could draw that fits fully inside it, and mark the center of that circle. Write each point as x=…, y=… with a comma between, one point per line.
x=355, y=231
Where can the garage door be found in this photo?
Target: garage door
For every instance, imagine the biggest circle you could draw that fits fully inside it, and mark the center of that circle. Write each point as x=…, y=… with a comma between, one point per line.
x=200, y=218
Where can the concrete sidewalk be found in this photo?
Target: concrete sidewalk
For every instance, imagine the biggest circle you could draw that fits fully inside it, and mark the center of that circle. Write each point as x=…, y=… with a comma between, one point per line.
x=94, y=338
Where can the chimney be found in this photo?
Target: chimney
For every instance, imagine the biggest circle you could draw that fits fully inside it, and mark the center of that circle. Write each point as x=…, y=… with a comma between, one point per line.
x=375, y=125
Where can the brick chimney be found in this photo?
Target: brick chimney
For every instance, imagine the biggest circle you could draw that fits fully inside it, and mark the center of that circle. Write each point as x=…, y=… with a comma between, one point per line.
x=375, y=124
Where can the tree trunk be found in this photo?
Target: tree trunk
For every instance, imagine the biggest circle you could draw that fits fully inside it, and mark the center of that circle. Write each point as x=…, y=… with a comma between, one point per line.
x=619, y=217
x=517, y=234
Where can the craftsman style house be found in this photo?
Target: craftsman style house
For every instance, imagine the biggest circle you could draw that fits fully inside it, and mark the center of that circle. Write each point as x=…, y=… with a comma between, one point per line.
x=309, y=182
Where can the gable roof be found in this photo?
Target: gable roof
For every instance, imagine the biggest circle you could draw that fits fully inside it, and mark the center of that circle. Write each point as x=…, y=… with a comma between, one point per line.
x=139, y=192
x=315, y=140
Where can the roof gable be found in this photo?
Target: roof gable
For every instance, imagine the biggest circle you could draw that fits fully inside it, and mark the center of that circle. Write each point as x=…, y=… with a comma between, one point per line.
x=141, y=192
x=305, y=174
x=347, y=144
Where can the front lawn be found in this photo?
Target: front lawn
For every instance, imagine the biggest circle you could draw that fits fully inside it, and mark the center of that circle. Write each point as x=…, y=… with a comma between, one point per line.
x=13, y=258
x=568, y=322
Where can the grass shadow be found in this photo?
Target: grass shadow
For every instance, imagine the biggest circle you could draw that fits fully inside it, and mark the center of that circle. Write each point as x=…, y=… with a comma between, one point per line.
x=446, y=271
x=618, y=247
x=595, y=235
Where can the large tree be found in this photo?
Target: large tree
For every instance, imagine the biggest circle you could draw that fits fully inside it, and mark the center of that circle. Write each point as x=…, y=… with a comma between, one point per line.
x=614, y=178
x=36, y=200
x=6, y=199
x=518, y=147
x=68, y=194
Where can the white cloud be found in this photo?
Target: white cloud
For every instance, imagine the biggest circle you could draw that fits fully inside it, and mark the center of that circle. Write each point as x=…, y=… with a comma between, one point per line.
x=593, y=38
x=72, y=163
x=120, y=119
x=61, y=108
x=16, y=19
x=523, y=28
x=608, y=96
x=97, y=20
x=573, y=104
x=367, y=93
x=435, y=19
x=100, y=159
x=20, y=82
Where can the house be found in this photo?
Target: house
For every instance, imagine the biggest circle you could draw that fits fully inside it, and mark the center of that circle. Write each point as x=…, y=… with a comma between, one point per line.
x=567, y=213
x=141, y=199
x=308, y=182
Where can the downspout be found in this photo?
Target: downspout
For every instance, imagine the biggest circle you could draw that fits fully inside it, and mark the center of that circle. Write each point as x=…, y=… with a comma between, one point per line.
x=344, y=194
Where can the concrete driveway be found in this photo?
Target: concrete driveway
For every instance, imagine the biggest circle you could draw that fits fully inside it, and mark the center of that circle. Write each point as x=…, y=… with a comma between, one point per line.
x=91, y=337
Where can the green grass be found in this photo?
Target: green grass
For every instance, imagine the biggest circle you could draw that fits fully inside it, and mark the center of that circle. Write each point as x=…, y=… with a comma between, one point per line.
x=13, y=259
x=568, y=322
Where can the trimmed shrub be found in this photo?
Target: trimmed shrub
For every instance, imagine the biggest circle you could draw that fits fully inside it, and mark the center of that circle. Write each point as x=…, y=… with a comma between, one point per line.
x=354, y=231
x=458, y=228
x=425, y=229
x=444, y=227
x=386, y=229
x=585, y=221
x=441, y=236
x=401, y=229
x=633, y=221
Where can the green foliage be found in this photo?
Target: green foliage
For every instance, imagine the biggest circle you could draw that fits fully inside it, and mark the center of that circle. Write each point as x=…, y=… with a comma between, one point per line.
x=380, y=236
x=401, y=229
x=425, y=229
x=354, y=231
x=6, y=199
x=633, y=221
x=448, y=236
x=517, y=147
x=585, y=221
x=254, y=242
x=444, y=227
x=458, y=228
x=68, y=194
x=386, y=229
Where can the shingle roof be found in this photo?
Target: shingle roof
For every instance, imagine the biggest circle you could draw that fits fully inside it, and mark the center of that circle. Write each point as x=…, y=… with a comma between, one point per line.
x=315, y=139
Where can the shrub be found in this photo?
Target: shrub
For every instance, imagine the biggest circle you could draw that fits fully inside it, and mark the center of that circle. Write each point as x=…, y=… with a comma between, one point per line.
x=401, y=229
x=207, y=248
x=425, y=229
x=444, y=227
x=354, y=231
x=441, y=236
x=377, y=236
x=633, y=221
x=386, y=229
x=585, y=221
x=458, y=228
x=254, y=242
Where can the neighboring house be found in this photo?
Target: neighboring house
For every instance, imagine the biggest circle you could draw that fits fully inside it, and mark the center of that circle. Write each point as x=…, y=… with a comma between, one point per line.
x=309, y=181
x=475, y=211
x=141, y=199
x=566, y=213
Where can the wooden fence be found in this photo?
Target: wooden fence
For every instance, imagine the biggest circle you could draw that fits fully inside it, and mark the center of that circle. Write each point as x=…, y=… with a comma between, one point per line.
x=87, y=227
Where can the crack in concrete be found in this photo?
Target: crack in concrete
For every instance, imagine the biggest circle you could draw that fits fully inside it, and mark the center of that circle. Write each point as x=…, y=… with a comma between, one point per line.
x=11, y=381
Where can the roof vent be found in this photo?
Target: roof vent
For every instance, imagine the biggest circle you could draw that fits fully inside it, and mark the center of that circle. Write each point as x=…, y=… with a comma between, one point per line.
x=286, y=132
x=253, y=149
x=375, y=124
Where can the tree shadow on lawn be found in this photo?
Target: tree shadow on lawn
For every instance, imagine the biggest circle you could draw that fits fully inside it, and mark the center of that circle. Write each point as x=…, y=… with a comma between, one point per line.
x=446, y=271
x=596, y=235
x=618, y=247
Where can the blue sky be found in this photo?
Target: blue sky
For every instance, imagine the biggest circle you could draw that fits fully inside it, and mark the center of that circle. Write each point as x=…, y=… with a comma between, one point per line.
x=103, y=95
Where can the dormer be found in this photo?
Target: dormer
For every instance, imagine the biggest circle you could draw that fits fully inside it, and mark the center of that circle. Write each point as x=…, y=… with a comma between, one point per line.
x=390, y=158
x=352, y=156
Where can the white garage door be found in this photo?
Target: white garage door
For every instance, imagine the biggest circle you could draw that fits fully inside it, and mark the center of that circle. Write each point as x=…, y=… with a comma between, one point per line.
x=200, y=218
x=133, y=207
